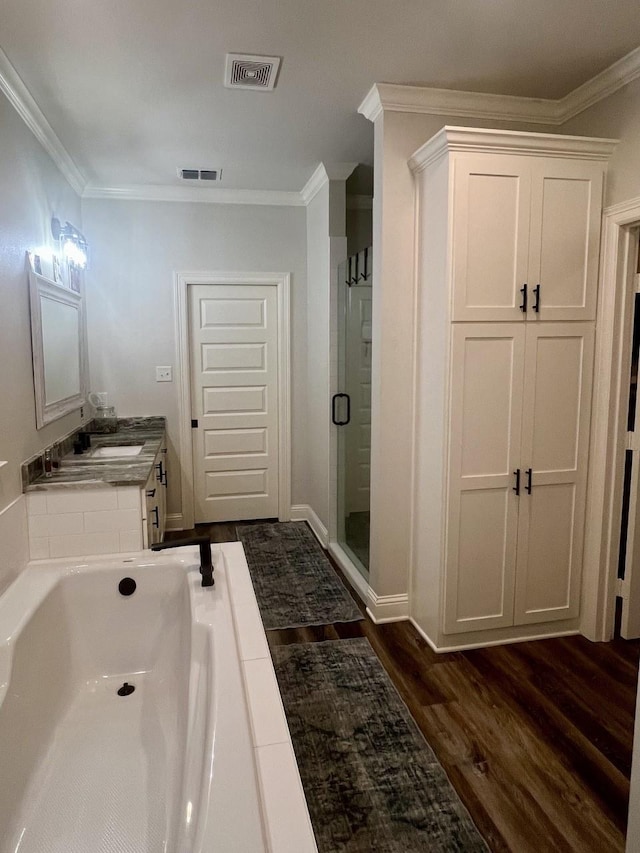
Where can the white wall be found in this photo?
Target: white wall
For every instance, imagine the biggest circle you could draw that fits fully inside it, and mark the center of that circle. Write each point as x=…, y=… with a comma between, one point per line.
x=318, y=272
x=136, y=247
x=326, y=248
x=32, y=191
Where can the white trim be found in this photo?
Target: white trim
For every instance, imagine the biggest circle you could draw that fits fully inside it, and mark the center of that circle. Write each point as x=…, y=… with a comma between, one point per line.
x=624, y=71
x=608, y=432
x=303, y=512
x=486, y=643
x=321, y=176
x=388, y=608
x=282, y=281
x=452, y=138
x=204, y=195
x=391, y=97
x=22, y=101
x=175, y=521
x=427, y=100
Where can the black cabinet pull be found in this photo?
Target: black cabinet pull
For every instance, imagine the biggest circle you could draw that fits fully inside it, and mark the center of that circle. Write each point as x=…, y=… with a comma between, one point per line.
x=529, y=485
x=523, y=306
x=151, y=493
x=156, y=523
x=160, y=470
x=334, y=409
x=516, y=488
x=163, y=478
x=536, y=297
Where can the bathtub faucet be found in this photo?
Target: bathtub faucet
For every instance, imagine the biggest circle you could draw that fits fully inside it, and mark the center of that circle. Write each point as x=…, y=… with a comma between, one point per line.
x=206, y=563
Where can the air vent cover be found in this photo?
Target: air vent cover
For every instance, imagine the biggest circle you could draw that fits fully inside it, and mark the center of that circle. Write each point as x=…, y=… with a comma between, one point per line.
x=244, y=71
x=200, y=174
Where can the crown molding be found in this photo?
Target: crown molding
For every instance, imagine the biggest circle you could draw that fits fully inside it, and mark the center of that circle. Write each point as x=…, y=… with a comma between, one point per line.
x=206, y=195
x=22, y=101
x=322, y=175
x=512, y=142
x=622, y=72
x=391, y=97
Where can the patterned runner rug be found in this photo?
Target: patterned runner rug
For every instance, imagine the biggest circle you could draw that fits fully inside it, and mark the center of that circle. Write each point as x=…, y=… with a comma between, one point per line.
x=294, y=582
x=372, y=782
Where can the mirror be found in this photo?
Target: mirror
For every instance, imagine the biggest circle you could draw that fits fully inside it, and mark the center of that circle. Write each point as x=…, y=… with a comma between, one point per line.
x=59, y=348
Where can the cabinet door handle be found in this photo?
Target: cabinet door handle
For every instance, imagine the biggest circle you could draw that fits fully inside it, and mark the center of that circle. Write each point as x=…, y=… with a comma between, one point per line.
x=151, y=493
x=163, y=478
x=516, y=488
x=529, y=485
x=156, y=523
x=523, y=306
x=536, y=298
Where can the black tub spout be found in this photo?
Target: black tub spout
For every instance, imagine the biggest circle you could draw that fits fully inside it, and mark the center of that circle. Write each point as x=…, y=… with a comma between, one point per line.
x=204, y=543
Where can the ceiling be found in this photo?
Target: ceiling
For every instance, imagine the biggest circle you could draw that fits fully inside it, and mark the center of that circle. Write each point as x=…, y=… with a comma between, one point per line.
x=134, y=88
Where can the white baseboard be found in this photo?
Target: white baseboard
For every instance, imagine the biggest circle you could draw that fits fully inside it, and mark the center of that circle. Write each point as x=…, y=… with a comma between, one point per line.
x=462, y=646
x=388, y=608
x=357, y=581
x=175, y=521
x=303, y=512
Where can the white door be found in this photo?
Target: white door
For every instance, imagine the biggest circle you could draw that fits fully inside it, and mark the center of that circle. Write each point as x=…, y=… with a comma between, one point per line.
x=486, y=411
x=555, y=447
x=491, y=208
x=566, y=204
x=358, y=387
x=234, y=393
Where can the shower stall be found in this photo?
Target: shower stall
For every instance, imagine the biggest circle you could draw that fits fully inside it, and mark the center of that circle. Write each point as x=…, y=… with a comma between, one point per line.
x=351, y=407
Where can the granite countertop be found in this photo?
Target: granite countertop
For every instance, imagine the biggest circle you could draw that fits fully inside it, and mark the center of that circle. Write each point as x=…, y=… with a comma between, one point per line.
x=87, y=471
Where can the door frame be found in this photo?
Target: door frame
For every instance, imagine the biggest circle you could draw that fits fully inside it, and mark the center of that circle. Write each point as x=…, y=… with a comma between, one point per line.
x=608, y=420
x=282, y=282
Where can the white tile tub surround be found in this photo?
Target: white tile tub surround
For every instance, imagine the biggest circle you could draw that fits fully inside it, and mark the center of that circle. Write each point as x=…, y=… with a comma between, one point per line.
x=82, y=522
x=14, y=549
x=284, y=805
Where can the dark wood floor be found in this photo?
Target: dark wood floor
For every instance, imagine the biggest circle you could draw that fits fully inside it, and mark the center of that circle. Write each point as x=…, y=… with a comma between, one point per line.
x=536, y=737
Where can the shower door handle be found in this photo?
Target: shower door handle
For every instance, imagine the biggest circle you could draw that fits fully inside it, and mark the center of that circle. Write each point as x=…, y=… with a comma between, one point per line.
x=334, y=409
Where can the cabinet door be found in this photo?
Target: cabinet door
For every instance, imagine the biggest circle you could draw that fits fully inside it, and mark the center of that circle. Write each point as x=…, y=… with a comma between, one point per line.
x=566, y=208
x=555, y=445
x=486, y=407
x=490, y=241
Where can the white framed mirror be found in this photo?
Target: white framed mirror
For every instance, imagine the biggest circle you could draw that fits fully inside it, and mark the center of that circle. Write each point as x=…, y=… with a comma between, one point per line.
x=59, y=348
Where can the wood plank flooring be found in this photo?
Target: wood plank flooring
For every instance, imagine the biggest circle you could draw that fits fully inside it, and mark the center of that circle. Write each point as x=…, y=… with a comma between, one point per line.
x=536, y=737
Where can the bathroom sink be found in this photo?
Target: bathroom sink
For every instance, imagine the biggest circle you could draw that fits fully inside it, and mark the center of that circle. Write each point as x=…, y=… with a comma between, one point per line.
x=117, y=451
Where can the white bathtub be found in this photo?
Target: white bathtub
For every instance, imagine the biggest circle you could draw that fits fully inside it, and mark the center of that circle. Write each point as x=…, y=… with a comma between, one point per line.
x=170, y=767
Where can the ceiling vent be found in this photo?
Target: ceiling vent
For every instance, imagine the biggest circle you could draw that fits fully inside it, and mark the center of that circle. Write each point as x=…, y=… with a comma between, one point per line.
x=243, y=71
x=200, y=174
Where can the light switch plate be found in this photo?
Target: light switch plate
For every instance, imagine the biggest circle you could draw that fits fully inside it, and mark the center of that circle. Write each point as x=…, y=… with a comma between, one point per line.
x=164, y=374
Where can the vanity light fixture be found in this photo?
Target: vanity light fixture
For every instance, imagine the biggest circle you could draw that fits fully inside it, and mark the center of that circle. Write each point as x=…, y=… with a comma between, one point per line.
x=73, y=245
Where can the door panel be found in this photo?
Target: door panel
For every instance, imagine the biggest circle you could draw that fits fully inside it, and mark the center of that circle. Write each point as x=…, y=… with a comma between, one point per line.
x=491, y=236
x=486, y=409
x=234, y=379
x=565, y=237
x=555, y=445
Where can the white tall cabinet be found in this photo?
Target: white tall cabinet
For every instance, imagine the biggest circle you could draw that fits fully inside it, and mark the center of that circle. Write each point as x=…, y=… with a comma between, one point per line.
x=508, y=236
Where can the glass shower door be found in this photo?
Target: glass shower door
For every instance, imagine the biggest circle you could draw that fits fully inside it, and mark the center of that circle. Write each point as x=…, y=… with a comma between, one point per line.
x=353, y=409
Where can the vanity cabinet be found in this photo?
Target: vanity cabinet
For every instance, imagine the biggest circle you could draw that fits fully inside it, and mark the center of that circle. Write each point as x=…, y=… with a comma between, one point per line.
x=154, y=501
x=508, y=229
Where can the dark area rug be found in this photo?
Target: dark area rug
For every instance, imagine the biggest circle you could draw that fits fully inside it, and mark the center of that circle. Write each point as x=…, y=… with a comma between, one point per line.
x=372, y=782
x=294, y=582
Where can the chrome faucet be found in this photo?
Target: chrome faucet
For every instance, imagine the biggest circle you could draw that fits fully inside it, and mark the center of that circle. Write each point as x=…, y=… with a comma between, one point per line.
x=206, y=563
